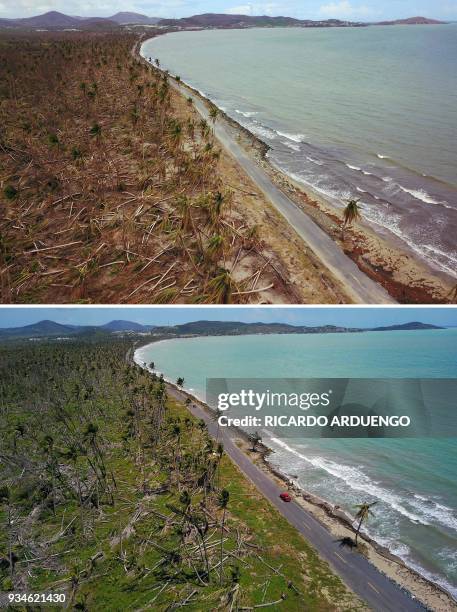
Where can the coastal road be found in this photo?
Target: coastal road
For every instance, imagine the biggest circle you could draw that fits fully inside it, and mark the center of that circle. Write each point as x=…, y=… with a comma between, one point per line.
x=378, y=591
x=361, y=288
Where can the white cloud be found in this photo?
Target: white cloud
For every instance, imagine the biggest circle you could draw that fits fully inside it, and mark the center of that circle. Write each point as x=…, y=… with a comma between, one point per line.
x=269, y=8
x=345, y=10
x=243, y=9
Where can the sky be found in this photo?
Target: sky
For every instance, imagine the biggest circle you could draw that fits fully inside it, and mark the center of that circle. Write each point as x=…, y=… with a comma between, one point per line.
x=171, y=315
x=360, y=10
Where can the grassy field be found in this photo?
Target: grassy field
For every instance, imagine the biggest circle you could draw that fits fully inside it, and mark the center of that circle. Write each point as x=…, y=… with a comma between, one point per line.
x=114, y=494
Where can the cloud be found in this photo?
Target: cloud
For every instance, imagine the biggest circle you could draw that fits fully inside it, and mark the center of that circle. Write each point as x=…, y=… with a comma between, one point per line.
x=344, y=9
x=269, y=8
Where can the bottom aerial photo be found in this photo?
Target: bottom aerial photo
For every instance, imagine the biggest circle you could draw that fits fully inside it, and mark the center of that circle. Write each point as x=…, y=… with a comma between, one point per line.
x=228, y=458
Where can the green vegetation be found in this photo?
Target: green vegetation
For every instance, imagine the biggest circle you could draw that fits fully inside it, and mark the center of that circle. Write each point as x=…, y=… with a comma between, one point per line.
x=363, y=514
x=113, y=493
x=350, y=214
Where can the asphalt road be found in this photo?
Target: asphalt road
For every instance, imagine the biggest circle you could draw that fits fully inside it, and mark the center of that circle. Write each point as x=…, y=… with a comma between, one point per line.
x=358, y=285
x=378, y=591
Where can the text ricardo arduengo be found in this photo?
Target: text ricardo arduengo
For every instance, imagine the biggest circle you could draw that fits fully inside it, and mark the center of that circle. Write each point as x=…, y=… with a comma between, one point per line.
x=256, y=401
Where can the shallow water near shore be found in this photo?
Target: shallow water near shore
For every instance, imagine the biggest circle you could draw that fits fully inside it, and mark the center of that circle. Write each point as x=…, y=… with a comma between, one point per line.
x=414, y=482
x=357, y=112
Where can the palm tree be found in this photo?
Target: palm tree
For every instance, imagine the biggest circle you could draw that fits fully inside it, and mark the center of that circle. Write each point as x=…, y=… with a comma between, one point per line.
x=95, y=130
x=255, y=438
x=223, y=503
x=351, y=213
x=363, y=514
x=215, y=248
x=72, y=455
x=5, y=498
x=215, y=209
x=180, y=381
x=215, y=417
x=221, y=287
x=213, y=114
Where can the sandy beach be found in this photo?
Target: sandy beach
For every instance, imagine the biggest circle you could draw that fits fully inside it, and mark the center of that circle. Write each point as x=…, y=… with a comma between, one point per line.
x=378, y=254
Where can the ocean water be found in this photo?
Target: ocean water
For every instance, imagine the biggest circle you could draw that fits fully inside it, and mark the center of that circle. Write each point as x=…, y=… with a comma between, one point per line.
x=352, y=112
x=414, y=481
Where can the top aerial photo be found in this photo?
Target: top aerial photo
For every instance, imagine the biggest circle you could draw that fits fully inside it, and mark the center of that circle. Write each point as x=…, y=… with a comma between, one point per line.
x=213, y=153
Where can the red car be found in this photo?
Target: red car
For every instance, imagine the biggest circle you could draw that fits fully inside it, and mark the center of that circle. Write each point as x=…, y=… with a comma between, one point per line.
x=285, y=497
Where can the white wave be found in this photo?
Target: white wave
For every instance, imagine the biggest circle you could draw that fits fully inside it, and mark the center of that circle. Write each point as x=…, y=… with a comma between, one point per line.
x=403, y=551
x=335, y=197
x=361, y=190
x=314, y=161
x=263, y=132
x=382, y=156
x=294, y=137
x=420, y=194
x=358, y=481
x=292, y=146
x=356, y=168
x=246, y=114
x=367, y=173
x=387, y=179
x=442, y=514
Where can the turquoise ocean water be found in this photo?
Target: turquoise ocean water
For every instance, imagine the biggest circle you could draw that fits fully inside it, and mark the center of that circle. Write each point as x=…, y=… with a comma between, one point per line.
x=353, y=112
x=413, y=481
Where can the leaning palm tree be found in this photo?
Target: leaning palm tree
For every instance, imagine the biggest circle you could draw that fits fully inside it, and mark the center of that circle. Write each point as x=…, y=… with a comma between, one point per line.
x=350, y=214
x=223, y=503
x=363, y=514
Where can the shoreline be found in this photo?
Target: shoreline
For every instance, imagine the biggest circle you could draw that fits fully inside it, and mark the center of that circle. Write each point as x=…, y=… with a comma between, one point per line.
x=382, y=256
x=333, y=518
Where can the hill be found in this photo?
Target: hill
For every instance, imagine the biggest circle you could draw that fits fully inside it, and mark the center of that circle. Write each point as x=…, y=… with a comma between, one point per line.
x=221, y=20
x=49, y=329
x=120, y=325
x=412, y=21
x=53, y=20
x=223, y=328
x=125, y=17
x=42, y=328
x=415, y=325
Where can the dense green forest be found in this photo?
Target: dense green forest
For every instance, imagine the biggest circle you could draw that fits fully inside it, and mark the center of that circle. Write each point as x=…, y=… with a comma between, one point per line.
x=112, y=493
